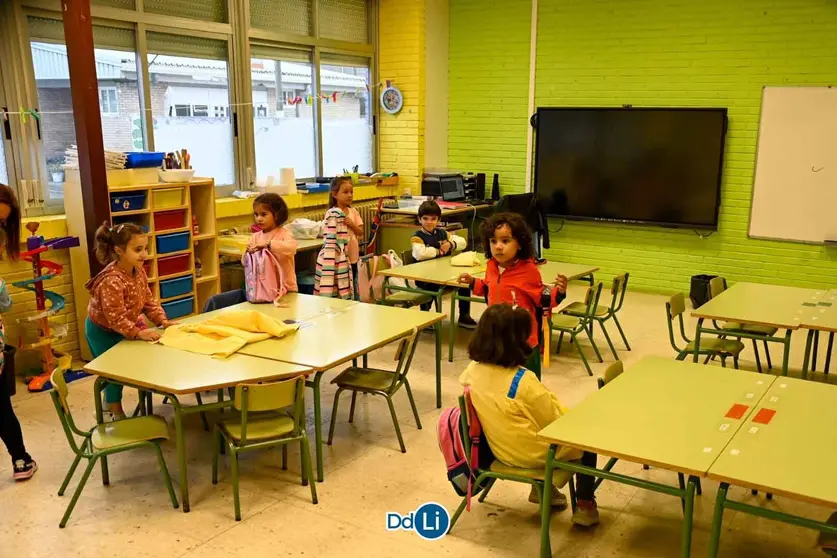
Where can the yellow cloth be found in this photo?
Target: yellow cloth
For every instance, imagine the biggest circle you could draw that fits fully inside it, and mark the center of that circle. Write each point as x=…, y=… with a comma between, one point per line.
x=511, y=425
x=465, y=259
x=226, y=333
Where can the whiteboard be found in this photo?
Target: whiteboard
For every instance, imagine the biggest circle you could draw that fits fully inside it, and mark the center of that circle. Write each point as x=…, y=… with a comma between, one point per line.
x=795, y=189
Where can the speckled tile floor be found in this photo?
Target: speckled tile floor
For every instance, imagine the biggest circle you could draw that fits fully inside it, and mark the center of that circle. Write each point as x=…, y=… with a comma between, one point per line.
x=366, y=476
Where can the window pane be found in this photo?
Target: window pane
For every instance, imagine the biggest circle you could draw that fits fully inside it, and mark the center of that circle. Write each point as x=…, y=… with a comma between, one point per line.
x=4, y=173
x=119, y=103
x=284, y=117
x=182, y=90
x=347, y=121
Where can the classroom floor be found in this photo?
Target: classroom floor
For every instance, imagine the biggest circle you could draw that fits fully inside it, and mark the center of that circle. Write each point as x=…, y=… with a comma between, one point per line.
x=366, y=476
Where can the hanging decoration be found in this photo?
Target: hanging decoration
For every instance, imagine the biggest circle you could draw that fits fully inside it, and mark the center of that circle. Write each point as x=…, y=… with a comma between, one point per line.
x=391, y=98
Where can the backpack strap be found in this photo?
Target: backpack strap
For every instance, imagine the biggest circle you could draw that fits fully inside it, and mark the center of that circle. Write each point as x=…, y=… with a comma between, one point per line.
x=474, y=433
x=515, y=383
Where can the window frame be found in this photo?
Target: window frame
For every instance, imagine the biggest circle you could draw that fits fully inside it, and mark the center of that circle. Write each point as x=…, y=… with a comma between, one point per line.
x=109, y=89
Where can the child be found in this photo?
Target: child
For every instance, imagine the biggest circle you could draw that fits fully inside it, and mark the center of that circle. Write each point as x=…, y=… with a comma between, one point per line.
x=333, y=276
x=271, y=213
x=511, y=275
x=119, y=296
x=23, y=464
x=341, y=196
x=513, y=405
x=431, y=242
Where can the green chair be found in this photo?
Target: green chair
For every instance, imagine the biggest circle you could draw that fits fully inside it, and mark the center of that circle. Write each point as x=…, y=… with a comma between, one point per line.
x=573, y=326
x=717, y=285
x=106, y=439
x=398, y=296
x=374, y=381
x=501, y=471
x=264, y=423
x=709, y=346
x=601, y=314
x=827, y=542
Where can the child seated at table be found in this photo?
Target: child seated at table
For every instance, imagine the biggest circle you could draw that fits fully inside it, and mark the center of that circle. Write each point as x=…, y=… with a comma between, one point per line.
x=513, y=405
x=432, y=241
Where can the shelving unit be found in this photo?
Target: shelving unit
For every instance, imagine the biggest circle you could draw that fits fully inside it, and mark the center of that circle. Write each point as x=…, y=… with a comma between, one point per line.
x=199, y=197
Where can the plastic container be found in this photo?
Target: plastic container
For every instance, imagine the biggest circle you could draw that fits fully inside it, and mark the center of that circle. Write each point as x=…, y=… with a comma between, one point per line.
x=172, y=265
x=127, y=201
x=176, y=175
x=179, y=308
x=166, y=220
x=313, y=188
x=129, y=219
x=176, y=287
x=175, y=242
x=167, y=197
x=143, y=160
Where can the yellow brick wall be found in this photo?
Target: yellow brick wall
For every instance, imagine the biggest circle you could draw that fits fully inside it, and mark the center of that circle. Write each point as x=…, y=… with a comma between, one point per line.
x=401, y=58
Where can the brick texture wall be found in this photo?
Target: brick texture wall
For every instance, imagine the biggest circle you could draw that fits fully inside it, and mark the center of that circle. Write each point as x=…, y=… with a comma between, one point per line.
x=401, y=56
x=58, y=130
x=647, y=53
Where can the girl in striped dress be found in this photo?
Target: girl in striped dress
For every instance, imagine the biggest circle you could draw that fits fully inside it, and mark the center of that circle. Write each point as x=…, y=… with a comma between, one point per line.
x=333, y=276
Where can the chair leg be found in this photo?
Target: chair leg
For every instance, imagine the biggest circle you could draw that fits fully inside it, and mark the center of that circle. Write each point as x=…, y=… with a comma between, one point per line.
x=622, y=333
x=573, y=498
x=70, y=474
x=77, y=493
x=285, y=457
x=723, y=362
x=304, y=470
x=560, y=340
x=306, y=466
x=395, y=423
x=767, y=354
x=412, y=403
x=814, y=354
x=149, y=404
x=234, y=471
x=203, y=415
x=457, y=513
x=708, y=358
x=682, y=481
x=735, y=361
x=334, y=415
x=352, y=408
x=827, y=364
x=589, y=331
x=698, y=488
x=166, y=477
x=215, y=454
x=756, y=351
x=646, y=467
x=487, y=489
x=581, y=352
x=607, y=338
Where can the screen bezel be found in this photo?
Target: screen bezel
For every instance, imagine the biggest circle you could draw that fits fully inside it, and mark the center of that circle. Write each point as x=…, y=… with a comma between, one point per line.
x=682, y=225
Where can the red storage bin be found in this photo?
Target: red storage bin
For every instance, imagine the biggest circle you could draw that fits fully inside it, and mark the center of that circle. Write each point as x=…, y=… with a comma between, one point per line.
x=146, y=265
x=172, y=265
x=167, y=220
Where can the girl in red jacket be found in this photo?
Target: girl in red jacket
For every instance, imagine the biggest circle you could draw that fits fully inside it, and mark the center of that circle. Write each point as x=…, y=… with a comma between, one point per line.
x=512, y=276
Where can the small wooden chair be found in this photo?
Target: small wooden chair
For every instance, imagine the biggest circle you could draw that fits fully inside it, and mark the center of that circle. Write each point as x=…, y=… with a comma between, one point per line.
x=602, y=314
x=573, y=326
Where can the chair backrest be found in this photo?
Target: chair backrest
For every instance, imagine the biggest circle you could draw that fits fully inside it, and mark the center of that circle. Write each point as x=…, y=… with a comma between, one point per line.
x=254, y=398
x=404, y=356
x=675, y=308
x=591, y=300
x=59, y=395
x=611, y=373
x=618, y=290
x=717, y=285
x=407, y=257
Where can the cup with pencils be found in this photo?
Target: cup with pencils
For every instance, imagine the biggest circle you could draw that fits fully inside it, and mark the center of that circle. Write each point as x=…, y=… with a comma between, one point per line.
x=177, y=167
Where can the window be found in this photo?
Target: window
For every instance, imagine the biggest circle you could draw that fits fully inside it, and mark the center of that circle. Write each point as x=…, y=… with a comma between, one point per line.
x=347, y=126
x=200, y=110
x=220, y=112
x=283, y=109
x=108, y=104
x=4, y=172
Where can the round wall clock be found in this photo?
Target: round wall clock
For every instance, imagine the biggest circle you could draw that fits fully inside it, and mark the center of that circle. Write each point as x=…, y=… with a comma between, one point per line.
x=391, y=99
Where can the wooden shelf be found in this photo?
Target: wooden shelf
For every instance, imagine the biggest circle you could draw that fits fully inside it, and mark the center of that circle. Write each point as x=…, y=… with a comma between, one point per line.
x=204, y=236
x=172, y=208
x=152, y=279
x=206, y=278
x=187, y=273
x=167, y=254
x=172, y=231
x=178, y=297
x=129, y=213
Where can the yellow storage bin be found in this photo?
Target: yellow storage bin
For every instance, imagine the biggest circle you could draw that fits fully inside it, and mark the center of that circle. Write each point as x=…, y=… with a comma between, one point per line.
x=167, y=197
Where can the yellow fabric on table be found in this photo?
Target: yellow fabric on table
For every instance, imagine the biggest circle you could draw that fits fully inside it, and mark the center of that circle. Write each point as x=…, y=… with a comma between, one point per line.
x=226, y=333
x=465, y=259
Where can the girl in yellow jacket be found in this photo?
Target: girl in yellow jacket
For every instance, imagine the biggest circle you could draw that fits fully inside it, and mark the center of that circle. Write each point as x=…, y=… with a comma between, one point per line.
x=513, y=405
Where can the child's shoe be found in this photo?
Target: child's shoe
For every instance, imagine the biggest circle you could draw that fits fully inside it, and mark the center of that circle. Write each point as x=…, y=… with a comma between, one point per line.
x=24, y=469
x=586, y=513
x=467, y=322
x=559, y=501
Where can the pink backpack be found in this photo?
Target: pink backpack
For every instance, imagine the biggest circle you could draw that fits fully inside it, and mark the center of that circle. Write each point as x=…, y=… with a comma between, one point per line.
x=262, y=277
x=371, y=290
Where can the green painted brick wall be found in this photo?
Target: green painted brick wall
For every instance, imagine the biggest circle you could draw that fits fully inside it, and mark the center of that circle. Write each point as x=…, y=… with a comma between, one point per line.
x=648, y=53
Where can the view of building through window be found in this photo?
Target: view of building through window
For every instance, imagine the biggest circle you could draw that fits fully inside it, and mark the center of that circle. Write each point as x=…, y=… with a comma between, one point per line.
x=347, y=121
x=4, y=173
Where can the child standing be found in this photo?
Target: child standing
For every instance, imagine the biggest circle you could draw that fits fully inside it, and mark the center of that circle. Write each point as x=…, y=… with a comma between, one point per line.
x=513, y=405
x=333, y=276
x=119, y=296
x=23, y=464
x=512, y=276
x=430, y=242
x=271, y=213
x=341, y=196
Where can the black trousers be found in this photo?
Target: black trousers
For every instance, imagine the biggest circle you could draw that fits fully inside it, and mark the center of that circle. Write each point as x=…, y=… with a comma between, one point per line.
x=10, y=427
x=585, y=484
x=464, y=304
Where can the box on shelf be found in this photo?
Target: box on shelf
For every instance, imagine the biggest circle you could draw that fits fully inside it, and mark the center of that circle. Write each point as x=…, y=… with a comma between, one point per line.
x=144, y=160
x=179, y=308
x=173, y=264
x=174, y=242
x=176, y=287
x=127, y=201
x=166, y=220
x=167, y=197
x=134, y=219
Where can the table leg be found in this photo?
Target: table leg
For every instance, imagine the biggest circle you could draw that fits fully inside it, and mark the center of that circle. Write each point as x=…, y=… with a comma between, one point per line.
x=438, y=331
x=181, y=452
x=816, y=350
x=546, y=503
x=452, y=329
x=100, y=419
x=828, y=353
x=318, y=427
x=688, y=513
x=786, y=358
x=697, y=338
x=805, y=360
x=715, y=537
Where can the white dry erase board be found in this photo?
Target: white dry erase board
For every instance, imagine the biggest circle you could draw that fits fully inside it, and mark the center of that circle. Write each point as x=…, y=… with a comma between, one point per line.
x=795, y=189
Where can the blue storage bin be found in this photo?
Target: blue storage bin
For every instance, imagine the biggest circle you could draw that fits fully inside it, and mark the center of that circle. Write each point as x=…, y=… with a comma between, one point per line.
x=176, y=287
x=179, y=308
x=129, y=219
x=175, y=242
x=144, y=160
x=127, y=201
x=305, y=282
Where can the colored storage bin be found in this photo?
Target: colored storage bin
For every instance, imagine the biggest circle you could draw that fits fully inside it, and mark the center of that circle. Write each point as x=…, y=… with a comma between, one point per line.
x=173, y=264
x=129, y=219
x=127, y=201
x=179, y=308
x=165, y=220
x=144, y=160
x=176, y=287
x=167, y=197
x=146, y=265
x=174, y=242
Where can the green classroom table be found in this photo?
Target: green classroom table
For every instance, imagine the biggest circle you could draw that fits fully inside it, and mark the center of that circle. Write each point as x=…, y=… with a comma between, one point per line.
x=820, y=318
x=660, y=412
x=788, y=454
x=758, y=304
x=333, y=332
x=439, y=271
x=174, y=373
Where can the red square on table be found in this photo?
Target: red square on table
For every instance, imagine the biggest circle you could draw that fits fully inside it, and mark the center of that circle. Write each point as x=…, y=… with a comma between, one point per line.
x=737, y=411
x=764, y=416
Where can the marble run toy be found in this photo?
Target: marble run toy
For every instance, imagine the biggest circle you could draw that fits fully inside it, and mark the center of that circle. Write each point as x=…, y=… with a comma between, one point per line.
x=48, y=333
